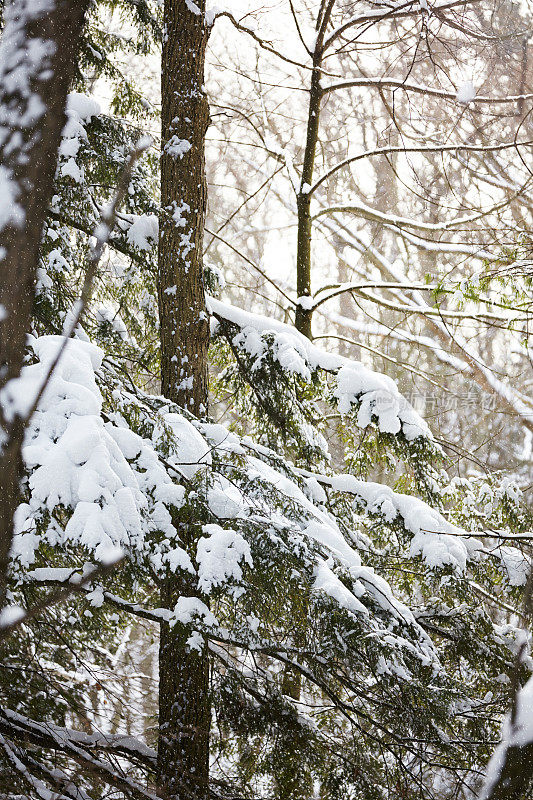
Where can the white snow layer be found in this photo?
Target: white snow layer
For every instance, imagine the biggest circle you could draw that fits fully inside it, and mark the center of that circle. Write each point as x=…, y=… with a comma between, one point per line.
x=518, y=734
x=143, y=230
x=323, y=530
x=10, y=615
x=74, y=462
x=80, y=110
x=376, y=394
x=82, y=107
x=116, y=491
x=219, y=555
x=110, y=479
x=437, y=541
x=466, y=92
x=517, y=565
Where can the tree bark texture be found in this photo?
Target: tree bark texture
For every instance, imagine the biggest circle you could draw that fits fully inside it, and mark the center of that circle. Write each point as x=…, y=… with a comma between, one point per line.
x=304, y=314
x=184, y=704
x=185, y=117
x=303, y=253
x=38, y=61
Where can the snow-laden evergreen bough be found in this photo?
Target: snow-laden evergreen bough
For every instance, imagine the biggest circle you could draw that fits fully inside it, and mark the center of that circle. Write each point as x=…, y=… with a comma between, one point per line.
x=34, y=79
x=393, y=651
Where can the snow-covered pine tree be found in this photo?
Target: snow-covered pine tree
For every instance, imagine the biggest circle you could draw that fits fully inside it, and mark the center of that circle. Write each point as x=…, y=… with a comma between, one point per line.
x=369, y=595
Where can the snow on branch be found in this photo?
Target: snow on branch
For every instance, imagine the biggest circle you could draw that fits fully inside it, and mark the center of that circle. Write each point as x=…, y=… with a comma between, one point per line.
x=44, y=732
x=117, y=489
x=393, y=84
x=510, y=770
x=453, y=149
x=376, y=394
x=437, y=541
x=484, y=376
x=110, y=480
x=81, y=748
x=361, y=209
x=397, y=334
x=443, y=247
x=383, y=14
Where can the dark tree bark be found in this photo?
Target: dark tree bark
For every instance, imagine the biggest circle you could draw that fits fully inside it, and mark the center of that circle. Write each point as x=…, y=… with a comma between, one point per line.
x=303, y=253
x=38, y=61
x=293, y=781
x=304, y=315
x=185, y=117
x=184, y=706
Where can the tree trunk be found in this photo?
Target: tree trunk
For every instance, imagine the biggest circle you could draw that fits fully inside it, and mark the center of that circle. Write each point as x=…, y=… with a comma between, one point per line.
x=184, y=705
x=303, y=254
x=304, y=314
x=293, y=781
x=38, y=61
x=185, y=117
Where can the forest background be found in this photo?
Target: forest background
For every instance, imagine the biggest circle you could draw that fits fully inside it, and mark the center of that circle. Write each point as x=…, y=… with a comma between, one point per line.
x=266, y=399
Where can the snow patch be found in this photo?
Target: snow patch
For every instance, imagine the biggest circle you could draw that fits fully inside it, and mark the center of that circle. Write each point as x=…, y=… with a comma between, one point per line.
x=466, y=93
x=10, y=615
x=143, y=230
x=377, y=394
x=219, y=556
